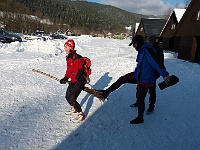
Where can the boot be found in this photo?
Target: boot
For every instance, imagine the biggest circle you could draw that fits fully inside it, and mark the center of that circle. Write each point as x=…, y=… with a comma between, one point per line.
x=134, y=105
x=113, y=87
x=72, y=111
x=137, y=120
x=102, y=93
x=150, y=109
x=80, y=117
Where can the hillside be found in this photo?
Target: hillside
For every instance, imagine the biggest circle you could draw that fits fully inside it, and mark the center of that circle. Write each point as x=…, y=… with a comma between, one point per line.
x=79, y=16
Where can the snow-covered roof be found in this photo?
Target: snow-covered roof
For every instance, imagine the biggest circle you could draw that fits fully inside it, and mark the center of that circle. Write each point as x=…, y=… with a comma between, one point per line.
x=136, y=26
x=154, y=18
x=152, y=26
x=179, y=13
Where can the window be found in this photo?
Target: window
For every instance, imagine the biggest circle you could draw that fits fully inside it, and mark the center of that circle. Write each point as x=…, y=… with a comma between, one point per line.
x=173, y=26
x=195, y=15
x=198, y=15
x=141, y=29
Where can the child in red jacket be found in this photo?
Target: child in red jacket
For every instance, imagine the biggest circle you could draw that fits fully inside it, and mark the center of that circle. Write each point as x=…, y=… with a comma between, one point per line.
x=75, y=72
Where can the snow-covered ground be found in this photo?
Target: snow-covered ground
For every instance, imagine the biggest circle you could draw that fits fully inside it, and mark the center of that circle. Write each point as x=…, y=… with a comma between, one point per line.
x=32, y=106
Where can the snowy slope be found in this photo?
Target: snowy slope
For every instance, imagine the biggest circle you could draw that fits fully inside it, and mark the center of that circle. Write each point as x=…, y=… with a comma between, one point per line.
x=32, y=106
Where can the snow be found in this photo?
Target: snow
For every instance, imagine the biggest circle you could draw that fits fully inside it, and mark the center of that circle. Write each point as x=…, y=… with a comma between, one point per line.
x=179, y=13
x=32, y=106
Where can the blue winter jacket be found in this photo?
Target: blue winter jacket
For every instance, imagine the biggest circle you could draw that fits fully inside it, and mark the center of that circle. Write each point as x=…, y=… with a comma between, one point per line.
x=148, y=63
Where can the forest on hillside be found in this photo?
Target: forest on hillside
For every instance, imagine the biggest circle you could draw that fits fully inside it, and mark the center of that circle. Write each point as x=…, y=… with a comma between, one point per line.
x=78, y=16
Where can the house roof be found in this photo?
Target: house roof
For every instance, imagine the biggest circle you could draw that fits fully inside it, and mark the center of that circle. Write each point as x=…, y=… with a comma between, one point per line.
x=191, y=11
x=153, y=25
x=136, y=26
x=178, y=14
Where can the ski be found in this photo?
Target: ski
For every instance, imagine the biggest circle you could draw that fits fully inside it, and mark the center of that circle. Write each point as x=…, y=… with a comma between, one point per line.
x=70, y=114
x=76, y=122
x=74, y=117
x=77, y=119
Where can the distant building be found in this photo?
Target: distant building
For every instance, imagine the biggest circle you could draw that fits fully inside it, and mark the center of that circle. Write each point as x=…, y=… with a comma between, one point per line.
x=128, y=31
x=109, y=35
x=169, y=29
x=187, y=33
x=150, y=26
x=68, y=32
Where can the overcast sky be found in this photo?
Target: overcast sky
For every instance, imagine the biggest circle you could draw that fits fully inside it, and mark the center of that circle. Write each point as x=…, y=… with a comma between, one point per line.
x=146, y=7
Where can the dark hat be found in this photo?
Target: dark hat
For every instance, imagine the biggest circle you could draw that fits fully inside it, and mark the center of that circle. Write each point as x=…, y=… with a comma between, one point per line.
x=140, y=41
x=152, y=38
x=173, y=80
x=137, y=38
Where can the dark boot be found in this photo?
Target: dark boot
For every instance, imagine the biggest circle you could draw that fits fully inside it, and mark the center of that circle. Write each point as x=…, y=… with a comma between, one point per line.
x=134, y=105
x=102, y=93
x=113, y=87
x=150, y=109
x=137, y=120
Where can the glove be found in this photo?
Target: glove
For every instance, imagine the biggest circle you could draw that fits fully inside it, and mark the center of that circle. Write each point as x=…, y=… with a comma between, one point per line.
x=71, y=83
x=64, y=80
x=174, y=80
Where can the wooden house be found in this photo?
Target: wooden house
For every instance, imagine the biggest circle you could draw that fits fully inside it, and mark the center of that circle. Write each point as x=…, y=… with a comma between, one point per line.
x=169, y=28
x=150, y=26
x=187, y=33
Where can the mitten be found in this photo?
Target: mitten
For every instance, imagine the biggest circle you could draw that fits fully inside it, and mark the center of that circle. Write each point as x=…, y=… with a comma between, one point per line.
x=64, y=80
x=173, y=80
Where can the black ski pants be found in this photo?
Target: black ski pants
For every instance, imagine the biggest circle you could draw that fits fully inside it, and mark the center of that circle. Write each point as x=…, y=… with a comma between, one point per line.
x=152, y=93
x=72, y=93
x=141, y=94
x=127, y=78
x=141, y=91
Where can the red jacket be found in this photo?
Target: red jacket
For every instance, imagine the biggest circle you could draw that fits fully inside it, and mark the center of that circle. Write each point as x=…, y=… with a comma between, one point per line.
x=75, y=69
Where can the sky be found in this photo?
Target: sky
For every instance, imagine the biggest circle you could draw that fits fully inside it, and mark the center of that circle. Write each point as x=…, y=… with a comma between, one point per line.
x=150, y=7
x=33, y=106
